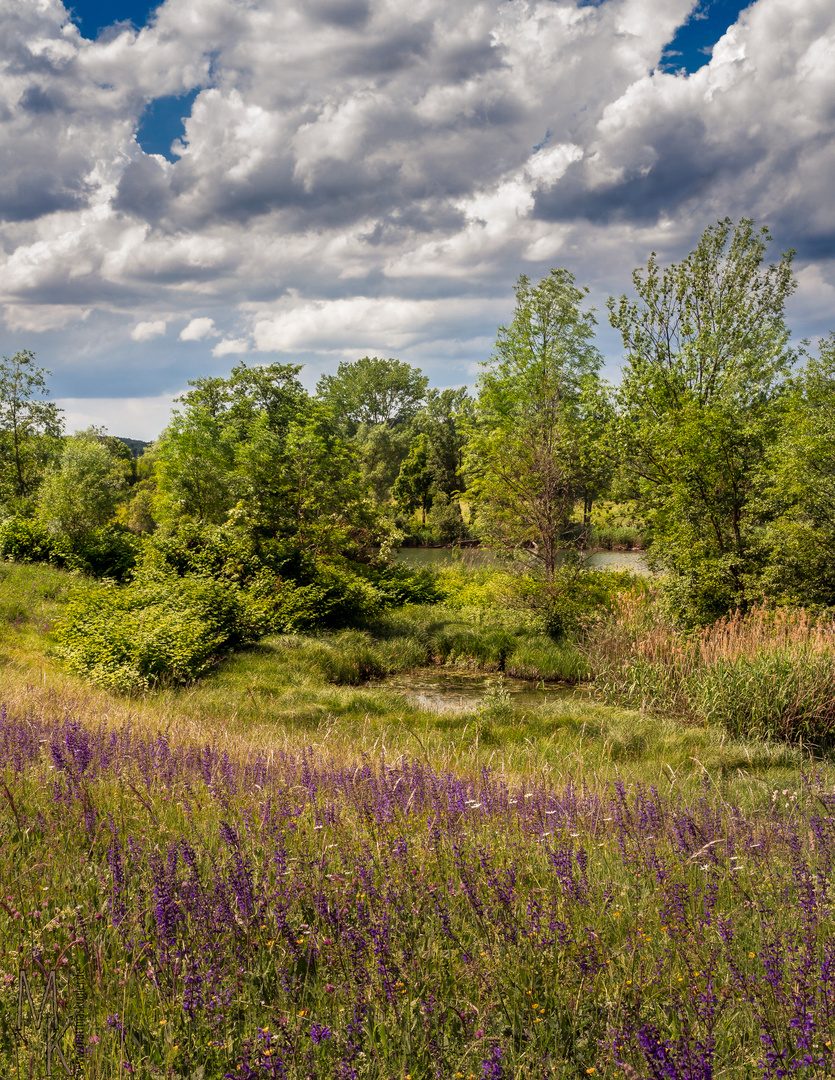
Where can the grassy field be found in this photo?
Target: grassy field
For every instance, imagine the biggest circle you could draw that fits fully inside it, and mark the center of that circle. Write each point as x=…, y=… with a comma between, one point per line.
x=287, y=871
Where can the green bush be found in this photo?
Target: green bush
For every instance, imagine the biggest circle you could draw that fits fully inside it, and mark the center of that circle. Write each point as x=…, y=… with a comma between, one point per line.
x=26, y=540
x=158, y=629
x=576, y=595
x=107, y=552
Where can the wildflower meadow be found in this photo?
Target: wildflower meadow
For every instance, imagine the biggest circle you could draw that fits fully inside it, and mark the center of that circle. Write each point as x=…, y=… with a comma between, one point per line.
x=284, y=914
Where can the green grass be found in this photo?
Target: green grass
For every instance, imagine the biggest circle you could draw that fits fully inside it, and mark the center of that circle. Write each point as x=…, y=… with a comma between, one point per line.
x=303, y=690
x=303, y=746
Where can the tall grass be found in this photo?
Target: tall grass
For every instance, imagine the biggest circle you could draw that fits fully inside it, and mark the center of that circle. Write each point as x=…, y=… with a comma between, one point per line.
x=767, y=674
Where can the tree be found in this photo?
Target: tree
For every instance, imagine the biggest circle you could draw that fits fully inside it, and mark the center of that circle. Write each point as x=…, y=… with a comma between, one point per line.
x=707, y=357
x=797, y=498
x=413, y=486
x=443, y=420
x=527, y=448
x=382, y=449
x=29, y=425
x=81, y=492
x=373, y=391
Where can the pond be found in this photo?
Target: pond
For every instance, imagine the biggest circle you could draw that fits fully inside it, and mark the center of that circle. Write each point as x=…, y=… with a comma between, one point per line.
x=454, y=691
x=418, y=558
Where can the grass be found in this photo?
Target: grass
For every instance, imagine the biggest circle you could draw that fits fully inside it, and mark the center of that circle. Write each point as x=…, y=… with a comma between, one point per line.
x=284, y=870
x=769, y=674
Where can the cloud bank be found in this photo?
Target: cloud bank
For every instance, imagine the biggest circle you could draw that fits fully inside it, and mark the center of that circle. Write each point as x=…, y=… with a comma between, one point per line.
x=370, y=177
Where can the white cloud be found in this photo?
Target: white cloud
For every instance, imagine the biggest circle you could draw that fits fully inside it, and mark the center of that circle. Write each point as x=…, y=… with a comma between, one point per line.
x=229, y=346
x=144, y=331
x=198, y=330
x=361, y=176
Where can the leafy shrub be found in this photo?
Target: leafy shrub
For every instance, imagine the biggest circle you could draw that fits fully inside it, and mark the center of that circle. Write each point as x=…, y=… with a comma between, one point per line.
x=110, y=551
x=26, y=540
x=335, y=598
x=575, y=596
x=158, y=629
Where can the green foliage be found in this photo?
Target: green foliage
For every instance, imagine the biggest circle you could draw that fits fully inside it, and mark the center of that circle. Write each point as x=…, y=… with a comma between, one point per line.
x=707, y=358
x=444, y=420
x=107, y=552
x=381, y=450
x=373, y=391
x=29, y=426
x=80, y=493
x=334, y=597
x=445, y=520
x=535, y=438
x=413, y=486
x=798, y=490
x=157, y=629
x=574, y=596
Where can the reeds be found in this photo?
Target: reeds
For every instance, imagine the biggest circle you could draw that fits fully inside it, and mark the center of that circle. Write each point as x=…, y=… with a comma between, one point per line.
x=769, y=673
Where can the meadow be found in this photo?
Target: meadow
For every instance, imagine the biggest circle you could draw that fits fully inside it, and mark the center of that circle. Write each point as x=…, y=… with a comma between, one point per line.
x=285, y=870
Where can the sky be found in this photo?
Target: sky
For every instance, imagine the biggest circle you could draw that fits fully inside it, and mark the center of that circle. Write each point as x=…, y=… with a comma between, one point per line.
x=189, y=185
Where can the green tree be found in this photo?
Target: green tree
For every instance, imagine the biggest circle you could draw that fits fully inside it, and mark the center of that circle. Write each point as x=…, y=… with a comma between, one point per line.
x=707, y=356
x=443, y=420
x=798, y=489
x=373, y=391
x=81, y=492
x=29, y=425
x=528, y=449
x=382, y=449
x=195, y=463
x=413, y=486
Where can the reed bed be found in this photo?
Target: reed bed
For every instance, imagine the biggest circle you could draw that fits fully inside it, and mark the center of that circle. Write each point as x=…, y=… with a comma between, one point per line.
x=769, y=673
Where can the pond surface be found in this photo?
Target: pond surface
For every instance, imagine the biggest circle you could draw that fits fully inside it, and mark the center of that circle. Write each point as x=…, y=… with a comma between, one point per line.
x=453, y=691
x=418, y=558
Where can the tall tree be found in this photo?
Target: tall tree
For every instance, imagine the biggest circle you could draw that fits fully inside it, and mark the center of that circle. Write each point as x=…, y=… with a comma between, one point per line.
x=413, y=486
x=373, y=391
x=29, y=425
x=527, y=449
x=443, y=420
x=707, y=355
x=81, y=492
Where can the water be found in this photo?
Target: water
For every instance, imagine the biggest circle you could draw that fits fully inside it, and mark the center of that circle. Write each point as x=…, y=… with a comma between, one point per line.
x=420, y=558
x=454, y=691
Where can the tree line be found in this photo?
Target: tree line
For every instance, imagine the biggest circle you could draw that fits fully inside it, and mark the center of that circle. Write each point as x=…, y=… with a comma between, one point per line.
x=720, y=434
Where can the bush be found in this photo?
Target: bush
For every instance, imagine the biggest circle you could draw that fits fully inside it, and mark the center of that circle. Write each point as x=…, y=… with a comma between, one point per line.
x=110, y=551
x=162, y=629
x=26, y=540
x=564, y=606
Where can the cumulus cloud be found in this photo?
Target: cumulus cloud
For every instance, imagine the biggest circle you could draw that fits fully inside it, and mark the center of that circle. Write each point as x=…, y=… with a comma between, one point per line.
x=367, y=176
x=198, y=330
x=144, y=331
x=230, y=346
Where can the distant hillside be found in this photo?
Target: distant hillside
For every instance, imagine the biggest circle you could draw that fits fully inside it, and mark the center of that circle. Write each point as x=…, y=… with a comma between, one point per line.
x=136, y=446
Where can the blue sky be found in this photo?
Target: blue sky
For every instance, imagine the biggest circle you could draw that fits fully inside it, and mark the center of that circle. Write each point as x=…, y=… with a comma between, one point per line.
x=191, y=185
